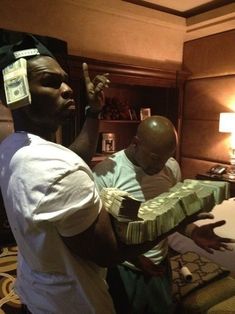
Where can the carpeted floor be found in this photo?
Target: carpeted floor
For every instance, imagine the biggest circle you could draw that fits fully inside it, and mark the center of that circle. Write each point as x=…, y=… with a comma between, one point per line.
x=203, y=272
x=9, y=301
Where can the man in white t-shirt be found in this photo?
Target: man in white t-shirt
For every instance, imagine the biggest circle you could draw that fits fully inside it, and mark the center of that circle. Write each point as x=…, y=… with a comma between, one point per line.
x=64, y=235
x=146, y=169
x=48, y=190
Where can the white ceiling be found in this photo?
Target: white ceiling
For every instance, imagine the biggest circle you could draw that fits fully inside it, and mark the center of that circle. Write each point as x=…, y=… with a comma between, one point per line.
x=179, y=5
x=183, y=8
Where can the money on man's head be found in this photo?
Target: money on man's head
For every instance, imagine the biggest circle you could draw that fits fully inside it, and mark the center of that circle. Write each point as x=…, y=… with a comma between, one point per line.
x=13, y=65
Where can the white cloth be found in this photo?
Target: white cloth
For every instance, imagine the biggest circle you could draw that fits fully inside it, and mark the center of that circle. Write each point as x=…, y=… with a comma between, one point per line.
x=49, y=191
x=119, y=172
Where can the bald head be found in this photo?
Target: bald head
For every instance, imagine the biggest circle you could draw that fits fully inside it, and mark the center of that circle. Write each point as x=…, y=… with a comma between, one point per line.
x=158, y=134
x=154, y=143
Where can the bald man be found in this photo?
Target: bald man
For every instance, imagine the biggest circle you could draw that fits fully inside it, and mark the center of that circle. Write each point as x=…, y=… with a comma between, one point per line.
x=146, y=169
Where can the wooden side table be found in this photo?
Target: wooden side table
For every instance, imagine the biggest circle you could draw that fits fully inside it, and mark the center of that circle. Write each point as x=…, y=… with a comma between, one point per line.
x=208, y=176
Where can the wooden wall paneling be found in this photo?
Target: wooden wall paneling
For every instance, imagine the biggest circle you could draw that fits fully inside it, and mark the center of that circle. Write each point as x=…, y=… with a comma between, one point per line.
x=210, y=56
x=125, y=73
x=205, y=98
x=190, y=167
x=209, y=90
x=202, y=140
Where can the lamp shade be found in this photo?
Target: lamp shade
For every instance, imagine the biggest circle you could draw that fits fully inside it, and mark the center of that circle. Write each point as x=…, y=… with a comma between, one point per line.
x=227, y=122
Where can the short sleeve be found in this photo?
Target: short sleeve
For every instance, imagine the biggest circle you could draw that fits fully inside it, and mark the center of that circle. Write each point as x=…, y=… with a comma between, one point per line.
x=175, y=168
x=72, y=204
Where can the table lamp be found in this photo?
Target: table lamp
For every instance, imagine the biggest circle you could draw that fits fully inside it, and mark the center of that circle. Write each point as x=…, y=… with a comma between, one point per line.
x=227, y=124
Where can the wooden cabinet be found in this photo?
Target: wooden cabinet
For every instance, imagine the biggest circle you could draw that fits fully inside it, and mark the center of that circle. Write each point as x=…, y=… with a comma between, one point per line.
x=124, y=130
x=131, y=87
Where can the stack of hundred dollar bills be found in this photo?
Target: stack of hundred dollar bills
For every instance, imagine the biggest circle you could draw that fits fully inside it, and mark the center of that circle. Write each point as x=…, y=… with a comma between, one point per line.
x=16, y=84
x=137, y=222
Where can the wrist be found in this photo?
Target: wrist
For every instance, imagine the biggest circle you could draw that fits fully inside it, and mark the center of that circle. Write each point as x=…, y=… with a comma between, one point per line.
x=190, y=229
x=89, y=113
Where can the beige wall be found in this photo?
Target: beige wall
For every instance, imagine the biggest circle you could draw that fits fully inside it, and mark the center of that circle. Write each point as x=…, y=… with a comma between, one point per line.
x=118, y=31
x=111, y=30
x=115, y=30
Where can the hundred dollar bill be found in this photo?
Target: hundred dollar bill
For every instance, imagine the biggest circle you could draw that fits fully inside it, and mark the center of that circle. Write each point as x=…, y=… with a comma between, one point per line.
x=16, y=84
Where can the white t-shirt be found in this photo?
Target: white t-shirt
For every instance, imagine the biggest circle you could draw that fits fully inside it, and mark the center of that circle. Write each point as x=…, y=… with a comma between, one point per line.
x=49, y=191
x=119, y=172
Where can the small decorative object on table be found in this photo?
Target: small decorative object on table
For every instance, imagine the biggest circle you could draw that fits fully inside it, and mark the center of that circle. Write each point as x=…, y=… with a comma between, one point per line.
x=145, y=113
x=108, y=143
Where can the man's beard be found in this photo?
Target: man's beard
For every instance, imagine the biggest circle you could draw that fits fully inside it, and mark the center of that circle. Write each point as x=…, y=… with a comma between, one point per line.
x=45, y=123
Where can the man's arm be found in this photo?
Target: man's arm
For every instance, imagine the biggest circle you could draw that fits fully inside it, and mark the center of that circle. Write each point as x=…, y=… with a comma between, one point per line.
x=86, y=142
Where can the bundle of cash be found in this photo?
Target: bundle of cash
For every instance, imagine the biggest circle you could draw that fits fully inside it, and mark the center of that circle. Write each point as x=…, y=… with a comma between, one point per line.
x=120, y=204
x=205, y=194
x=16, y=84
x=160, y=215
x=146, y=221
x=221, y=189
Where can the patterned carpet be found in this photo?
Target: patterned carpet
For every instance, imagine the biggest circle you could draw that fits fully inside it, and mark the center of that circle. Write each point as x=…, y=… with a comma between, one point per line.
x=203, y=272
x=9, y=301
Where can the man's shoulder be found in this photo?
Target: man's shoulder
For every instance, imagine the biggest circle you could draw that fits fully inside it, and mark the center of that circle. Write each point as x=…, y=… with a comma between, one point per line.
x=109, y=162
x=32, y=151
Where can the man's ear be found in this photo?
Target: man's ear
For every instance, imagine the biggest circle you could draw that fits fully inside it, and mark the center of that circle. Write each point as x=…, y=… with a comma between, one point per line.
x=135, y=141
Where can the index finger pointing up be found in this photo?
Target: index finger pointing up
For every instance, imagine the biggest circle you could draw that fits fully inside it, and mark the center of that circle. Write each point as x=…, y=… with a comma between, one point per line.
x=86, y=73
